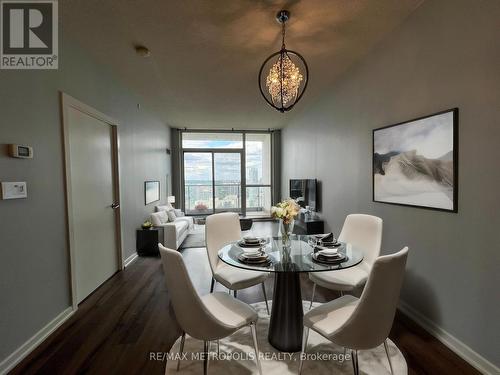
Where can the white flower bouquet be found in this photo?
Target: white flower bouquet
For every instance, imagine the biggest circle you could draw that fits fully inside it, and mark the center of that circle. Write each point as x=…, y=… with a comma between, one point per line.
x=286, y=210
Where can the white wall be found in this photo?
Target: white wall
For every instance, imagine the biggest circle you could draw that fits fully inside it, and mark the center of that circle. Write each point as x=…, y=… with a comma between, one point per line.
x=447, y=54
x=34, y=285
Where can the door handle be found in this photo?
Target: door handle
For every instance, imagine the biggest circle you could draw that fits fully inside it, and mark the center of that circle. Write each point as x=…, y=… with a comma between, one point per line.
x=114, y=206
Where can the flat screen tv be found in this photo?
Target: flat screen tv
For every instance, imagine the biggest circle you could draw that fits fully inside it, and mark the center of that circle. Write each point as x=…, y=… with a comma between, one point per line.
x=305, y=192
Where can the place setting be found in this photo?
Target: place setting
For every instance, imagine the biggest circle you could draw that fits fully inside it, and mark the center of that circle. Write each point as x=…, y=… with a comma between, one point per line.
x=253, y=250
x=326, y=249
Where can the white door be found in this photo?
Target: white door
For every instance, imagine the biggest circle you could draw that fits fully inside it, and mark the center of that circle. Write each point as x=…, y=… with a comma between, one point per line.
x=94, y=242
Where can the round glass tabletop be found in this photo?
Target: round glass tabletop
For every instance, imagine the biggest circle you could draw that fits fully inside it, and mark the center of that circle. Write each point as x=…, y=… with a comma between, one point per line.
x=297, y=258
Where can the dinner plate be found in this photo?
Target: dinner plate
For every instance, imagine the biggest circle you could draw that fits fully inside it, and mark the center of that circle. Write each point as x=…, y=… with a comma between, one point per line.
x=251, y=239
x=253, y=254
x=329, y=252
x=242, y=243
x=254, y=260
x=328, y=260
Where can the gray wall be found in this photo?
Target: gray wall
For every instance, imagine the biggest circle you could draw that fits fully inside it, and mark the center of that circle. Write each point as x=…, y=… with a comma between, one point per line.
x=34, y=285
x=446, y=55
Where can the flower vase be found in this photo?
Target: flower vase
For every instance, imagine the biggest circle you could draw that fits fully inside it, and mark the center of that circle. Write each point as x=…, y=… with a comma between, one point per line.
x=286, y=232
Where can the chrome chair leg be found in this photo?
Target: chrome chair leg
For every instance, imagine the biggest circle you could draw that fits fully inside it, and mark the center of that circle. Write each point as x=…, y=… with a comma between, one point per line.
x=181, y=349
x=305, y=336
x=218, y=348
x=354, y=358
x=341, y=293
x=265, y=297
x=388, y=357
x=312, y=298
x=254, y=337
x=205, y=357
x=212, y=285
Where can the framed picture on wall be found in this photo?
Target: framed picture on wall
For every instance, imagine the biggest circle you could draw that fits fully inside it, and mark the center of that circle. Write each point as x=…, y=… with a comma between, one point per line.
x=415, y=163
x=151, y=191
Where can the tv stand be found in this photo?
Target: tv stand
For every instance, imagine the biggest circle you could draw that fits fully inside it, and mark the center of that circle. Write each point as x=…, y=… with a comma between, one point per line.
x=308, y=224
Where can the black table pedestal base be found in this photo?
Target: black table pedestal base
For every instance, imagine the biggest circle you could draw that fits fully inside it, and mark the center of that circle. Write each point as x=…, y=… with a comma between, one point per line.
x=286, y=325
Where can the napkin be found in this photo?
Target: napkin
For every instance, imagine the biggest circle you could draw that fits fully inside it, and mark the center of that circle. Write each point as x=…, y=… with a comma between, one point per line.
x=328, y=237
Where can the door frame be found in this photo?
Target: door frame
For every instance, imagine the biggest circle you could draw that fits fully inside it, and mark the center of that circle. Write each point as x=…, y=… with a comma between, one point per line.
x=68, y=102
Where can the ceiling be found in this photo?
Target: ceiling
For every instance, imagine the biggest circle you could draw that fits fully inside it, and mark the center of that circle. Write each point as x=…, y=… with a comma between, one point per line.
x=206, y=54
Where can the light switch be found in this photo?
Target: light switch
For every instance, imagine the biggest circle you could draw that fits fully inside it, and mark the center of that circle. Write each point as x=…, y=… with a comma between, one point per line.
x=14, y=190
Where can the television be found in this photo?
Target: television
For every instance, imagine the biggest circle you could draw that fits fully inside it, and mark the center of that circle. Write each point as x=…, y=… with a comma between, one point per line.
x=304, y=191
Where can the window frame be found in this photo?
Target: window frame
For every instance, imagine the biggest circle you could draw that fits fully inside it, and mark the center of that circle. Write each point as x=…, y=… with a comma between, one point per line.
x=243, y=166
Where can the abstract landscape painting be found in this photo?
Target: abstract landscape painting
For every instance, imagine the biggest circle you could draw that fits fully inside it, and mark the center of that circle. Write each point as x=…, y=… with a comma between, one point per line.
x=415, y=162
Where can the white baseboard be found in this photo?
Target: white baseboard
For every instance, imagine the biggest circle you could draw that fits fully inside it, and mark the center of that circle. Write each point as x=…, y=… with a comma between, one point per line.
x=129, y=260
x=454, y=344
x=20, y=353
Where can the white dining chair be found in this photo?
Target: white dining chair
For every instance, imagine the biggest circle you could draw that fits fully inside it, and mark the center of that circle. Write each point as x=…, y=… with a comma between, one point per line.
x=364, y=323
x=363, y=232
x=222, y=229
x=210, y=317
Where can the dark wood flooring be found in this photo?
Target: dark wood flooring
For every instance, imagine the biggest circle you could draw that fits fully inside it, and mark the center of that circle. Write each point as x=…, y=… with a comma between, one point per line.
x=116, y=329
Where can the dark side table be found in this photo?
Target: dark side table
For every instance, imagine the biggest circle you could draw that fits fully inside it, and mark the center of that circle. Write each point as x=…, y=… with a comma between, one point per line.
x=308, y=224
x=147, y=241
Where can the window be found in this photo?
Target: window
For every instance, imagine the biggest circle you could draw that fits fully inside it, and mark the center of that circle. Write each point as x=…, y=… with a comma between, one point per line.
x=212, y=140
x=198, y=186
x=215, y=179
x=258, y=174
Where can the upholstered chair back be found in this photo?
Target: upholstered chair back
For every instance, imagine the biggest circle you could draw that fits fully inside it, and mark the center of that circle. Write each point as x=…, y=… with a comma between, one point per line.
x=221, y=229
x=371, y=321
x=191, y=313
x=365, y=233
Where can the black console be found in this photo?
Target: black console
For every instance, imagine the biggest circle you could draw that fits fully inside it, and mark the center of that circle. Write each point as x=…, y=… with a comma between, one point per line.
x=308, y=224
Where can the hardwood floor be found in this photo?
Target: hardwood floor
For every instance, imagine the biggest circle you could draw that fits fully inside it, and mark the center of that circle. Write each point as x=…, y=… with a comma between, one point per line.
x=117, y=328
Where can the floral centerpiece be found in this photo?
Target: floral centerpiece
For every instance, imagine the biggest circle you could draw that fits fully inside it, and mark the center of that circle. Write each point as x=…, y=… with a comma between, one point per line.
x=286, y=211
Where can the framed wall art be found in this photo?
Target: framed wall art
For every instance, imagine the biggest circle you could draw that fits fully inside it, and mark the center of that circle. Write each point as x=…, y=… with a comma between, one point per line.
x=151, y=191
x=415, y=163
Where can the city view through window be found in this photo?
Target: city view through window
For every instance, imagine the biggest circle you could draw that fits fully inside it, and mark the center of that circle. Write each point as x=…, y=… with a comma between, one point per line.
x=213, y=173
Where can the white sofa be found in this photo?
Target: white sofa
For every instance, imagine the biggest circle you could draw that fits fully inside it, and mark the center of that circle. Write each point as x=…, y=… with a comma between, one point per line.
x=175, y=224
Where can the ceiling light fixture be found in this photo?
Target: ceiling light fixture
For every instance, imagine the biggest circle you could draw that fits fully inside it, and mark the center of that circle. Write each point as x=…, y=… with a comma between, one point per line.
x=287, y=77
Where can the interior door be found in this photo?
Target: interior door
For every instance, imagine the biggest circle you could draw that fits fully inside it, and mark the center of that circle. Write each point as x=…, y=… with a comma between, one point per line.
x=92, y=201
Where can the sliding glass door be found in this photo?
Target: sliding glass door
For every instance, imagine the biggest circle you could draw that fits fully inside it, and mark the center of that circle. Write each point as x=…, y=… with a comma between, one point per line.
x=198, y=183
x=212, y=182
x=227, y=181
x=227, y=172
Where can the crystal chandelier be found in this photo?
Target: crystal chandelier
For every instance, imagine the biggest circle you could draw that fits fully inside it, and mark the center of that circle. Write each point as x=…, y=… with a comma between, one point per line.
x=284, y=84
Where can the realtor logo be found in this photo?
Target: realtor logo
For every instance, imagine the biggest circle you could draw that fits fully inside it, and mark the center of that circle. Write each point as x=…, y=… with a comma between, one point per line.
x=29, y=34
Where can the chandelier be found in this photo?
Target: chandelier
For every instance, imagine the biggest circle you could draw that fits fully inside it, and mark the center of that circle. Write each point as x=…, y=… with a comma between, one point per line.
x=287, y=76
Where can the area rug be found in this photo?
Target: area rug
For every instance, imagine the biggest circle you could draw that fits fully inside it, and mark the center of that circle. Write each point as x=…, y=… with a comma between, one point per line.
x=195, y=238
x=237, y=355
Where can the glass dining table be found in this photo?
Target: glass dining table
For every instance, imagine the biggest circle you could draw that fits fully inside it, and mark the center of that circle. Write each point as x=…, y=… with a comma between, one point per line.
x=287, y=262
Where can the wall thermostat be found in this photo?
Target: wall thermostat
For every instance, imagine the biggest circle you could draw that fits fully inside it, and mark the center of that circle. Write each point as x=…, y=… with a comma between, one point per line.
x=21, y=151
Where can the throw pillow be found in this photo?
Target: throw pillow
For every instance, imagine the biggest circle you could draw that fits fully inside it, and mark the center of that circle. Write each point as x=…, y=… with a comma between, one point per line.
x=163, y=216
x=178, y=212
x=159, y=218
x=166, y=207
x=171, y=215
